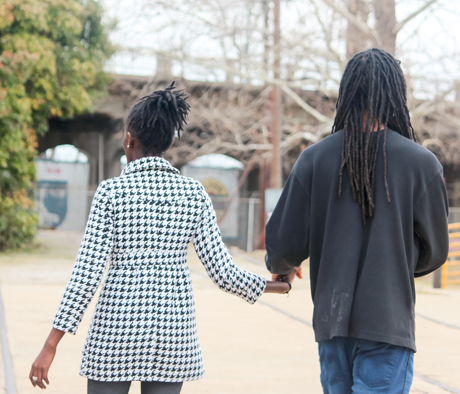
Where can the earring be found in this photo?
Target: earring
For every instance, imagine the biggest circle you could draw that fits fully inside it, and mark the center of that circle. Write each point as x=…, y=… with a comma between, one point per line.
x=128, y=146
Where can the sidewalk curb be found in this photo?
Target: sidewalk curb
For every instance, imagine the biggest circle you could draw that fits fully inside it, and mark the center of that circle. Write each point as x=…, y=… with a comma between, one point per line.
x=9, y=377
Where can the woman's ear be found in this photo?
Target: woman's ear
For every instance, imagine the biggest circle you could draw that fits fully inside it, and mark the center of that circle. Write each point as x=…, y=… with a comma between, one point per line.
x=130, y=139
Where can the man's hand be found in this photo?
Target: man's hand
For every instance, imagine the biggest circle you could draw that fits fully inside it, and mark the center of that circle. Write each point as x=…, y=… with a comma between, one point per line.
x=296, y=271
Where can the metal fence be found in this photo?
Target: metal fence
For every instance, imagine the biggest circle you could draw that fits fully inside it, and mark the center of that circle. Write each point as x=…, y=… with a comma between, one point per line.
x=140, y=62
x=244, y=216
x=454, y=215
x=240, y=227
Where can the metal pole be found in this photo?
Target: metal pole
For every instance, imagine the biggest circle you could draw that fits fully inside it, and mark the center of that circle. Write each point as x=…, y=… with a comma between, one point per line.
x=275, y=181
x=9, y=377
x=263, y=183
x=437, y=278
x=251, y=208
x=101, y=157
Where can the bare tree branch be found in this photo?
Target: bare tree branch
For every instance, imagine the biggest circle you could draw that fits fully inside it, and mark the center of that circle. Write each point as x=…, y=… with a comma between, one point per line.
x=307, y=108
x=248, y=147
x=230, y=42
x=401, y=24
x=272, y=81
x=327, y=37
x=447, y=118
x=356, y=21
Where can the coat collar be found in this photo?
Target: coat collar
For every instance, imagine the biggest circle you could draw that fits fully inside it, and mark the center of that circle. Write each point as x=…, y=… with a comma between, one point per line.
x=149, y=163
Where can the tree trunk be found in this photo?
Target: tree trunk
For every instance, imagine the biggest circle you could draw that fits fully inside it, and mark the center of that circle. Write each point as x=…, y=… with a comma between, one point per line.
x=385, y=17
x=357, y=41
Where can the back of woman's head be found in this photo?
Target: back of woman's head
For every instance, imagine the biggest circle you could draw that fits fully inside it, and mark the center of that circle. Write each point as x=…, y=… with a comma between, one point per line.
x=373, y=85
x=157, y=117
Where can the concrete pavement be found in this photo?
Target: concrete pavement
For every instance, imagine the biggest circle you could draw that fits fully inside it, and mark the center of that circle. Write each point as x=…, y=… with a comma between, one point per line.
x=2, y=373
x=264, y=348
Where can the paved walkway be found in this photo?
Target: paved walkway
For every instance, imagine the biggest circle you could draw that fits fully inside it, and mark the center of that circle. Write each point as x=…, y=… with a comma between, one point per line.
x=2, y=374
x=267, y=348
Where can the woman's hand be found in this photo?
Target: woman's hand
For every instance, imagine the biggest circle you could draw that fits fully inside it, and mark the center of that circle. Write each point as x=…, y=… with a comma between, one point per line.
x=42, y=363
x=276, y=286
x=41, y=366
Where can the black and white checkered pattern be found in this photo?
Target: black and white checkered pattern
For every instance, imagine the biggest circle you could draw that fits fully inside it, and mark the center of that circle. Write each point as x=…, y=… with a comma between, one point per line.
x=144, y=324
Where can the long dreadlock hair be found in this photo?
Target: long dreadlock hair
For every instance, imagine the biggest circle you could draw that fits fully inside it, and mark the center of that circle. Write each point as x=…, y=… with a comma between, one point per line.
x=156, y=118
x=373, y=82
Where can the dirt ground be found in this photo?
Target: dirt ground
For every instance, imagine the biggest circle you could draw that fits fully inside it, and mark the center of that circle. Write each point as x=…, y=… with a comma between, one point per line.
x=266, y=348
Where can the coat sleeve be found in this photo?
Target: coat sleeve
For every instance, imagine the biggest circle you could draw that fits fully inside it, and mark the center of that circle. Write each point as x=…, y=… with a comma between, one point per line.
x=430, y=226
x=288, y=229
x=217, y=261
x=90, y=264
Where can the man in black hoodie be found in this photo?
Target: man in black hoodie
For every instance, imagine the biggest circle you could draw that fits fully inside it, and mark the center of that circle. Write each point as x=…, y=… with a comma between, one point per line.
x=368, y=206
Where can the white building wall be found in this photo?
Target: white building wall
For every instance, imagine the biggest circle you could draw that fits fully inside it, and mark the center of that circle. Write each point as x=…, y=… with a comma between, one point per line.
x=220, y=184
x=62, y=194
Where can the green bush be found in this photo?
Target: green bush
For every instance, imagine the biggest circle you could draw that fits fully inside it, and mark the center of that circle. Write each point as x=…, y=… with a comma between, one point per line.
x=52, y=54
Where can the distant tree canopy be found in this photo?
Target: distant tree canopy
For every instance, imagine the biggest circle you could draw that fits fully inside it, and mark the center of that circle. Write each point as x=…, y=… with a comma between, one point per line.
x=52, y=54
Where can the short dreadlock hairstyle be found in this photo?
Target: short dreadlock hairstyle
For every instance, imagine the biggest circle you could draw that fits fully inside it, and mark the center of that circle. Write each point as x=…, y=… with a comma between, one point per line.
x=374, y=82
x=156, y=118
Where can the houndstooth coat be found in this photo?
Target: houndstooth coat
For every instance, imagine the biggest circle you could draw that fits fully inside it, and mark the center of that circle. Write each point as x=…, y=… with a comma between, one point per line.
x=144, y=327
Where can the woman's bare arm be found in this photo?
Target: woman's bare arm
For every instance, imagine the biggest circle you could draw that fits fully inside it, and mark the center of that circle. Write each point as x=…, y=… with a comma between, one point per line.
x=43, y=361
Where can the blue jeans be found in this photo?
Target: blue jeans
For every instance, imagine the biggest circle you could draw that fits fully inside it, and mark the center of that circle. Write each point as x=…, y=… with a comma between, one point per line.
x=357, y=366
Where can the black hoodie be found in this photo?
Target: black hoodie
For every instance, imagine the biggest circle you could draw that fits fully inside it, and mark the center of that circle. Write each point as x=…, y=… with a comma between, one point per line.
x=362, y=276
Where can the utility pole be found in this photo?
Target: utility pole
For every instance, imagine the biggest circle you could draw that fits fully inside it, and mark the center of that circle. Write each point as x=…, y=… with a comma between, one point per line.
x=275, y=178
x=270, y=173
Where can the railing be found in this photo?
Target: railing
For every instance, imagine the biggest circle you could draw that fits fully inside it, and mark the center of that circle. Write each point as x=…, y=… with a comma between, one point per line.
x=67, y=208
x=450, y=273
x=240, y=226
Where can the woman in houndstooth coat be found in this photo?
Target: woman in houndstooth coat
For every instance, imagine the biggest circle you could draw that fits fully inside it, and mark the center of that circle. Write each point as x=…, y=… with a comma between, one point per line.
x=144, y=328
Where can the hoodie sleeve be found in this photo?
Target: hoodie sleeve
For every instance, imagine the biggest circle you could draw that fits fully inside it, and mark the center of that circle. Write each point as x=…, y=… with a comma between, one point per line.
x=288, y=230
x=430, y=226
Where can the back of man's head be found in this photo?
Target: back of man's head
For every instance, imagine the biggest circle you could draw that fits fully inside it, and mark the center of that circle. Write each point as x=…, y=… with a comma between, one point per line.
x=372, y=97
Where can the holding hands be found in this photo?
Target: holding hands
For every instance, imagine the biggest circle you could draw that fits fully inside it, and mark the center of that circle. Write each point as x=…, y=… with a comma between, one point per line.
x=296, y=271
x=281, y=284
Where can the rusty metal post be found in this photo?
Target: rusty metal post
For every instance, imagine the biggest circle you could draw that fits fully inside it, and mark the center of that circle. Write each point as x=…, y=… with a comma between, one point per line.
x=264, y=174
